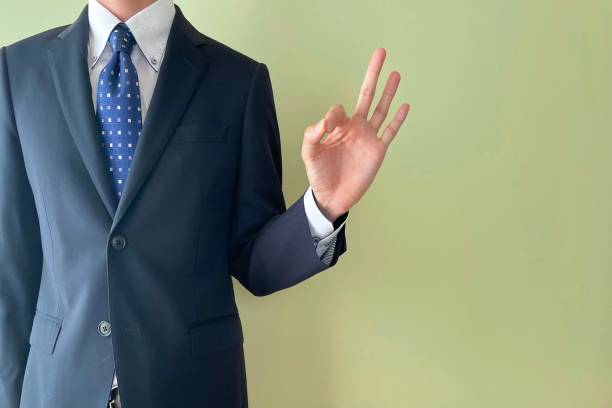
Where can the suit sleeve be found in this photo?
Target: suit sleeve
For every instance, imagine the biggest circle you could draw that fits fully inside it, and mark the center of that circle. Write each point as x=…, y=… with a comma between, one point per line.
x=20, y=252
x=271, y=246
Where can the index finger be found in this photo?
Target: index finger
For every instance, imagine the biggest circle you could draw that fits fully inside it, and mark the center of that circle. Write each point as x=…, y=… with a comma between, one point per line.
x=368, y=87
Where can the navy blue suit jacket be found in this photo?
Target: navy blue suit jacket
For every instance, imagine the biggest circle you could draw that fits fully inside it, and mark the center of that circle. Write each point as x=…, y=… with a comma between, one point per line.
x=203, y=203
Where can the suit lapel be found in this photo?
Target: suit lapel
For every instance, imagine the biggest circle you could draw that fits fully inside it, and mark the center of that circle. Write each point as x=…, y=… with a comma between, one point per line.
x=182, y=66
x=68, y=61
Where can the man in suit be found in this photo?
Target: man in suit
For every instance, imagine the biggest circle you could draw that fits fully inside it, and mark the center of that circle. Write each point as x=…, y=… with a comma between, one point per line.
x=141, y=169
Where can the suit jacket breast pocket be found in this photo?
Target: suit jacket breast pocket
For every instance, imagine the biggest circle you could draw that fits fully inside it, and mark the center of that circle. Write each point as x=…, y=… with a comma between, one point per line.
x=199, y=133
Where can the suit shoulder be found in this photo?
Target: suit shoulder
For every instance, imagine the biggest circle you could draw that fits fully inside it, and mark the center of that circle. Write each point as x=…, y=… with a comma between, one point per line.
x=26, y=58
x=35, y=42
x=231, y=53
x=230, y=58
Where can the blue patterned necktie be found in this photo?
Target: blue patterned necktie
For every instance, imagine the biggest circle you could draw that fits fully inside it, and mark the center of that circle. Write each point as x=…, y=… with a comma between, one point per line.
x=118, y=107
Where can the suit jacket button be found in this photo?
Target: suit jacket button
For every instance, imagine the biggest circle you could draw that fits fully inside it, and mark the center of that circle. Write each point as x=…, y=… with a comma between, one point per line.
x=118, y=242
x=104, y=328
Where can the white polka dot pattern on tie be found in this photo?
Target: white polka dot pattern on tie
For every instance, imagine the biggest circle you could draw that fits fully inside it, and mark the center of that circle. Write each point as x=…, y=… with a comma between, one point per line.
x=119, y=113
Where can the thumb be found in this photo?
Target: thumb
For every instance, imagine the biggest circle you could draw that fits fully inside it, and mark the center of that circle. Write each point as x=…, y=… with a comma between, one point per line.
x=314, y=132
x=334, y=117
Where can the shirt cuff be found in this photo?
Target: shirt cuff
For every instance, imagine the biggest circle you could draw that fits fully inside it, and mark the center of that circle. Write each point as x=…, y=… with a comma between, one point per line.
x=320, y=226
x=321, y=229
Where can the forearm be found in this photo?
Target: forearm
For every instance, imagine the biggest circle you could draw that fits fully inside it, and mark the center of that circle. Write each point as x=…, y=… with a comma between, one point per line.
x=283, y=253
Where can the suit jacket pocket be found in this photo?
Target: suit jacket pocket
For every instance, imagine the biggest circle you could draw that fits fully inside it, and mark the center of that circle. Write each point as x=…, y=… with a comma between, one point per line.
x=216, y=334
x=45, y=330
x=202, y=132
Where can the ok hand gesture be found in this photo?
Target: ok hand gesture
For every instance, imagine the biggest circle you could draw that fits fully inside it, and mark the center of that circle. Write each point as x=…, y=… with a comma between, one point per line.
x=341, y=167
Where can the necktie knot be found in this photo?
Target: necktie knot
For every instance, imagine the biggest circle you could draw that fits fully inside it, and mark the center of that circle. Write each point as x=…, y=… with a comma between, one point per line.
x=121, y=39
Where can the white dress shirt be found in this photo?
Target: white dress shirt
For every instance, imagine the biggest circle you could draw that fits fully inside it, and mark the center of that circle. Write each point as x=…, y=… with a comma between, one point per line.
x=151, y=27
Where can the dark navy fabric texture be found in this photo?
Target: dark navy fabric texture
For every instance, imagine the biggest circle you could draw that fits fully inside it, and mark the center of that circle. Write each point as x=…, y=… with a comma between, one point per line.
x=203, y=203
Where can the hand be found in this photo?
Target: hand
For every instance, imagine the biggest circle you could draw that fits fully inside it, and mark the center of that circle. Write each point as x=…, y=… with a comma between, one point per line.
x=341, y=167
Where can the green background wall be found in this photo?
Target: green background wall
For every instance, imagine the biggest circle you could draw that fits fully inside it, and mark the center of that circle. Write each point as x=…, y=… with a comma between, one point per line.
x=478, y=271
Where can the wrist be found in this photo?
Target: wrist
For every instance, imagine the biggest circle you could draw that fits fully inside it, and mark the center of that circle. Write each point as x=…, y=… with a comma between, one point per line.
x=328, y=211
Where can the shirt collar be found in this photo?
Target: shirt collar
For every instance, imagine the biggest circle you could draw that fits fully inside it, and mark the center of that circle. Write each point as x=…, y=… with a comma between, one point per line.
x=150, y=27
